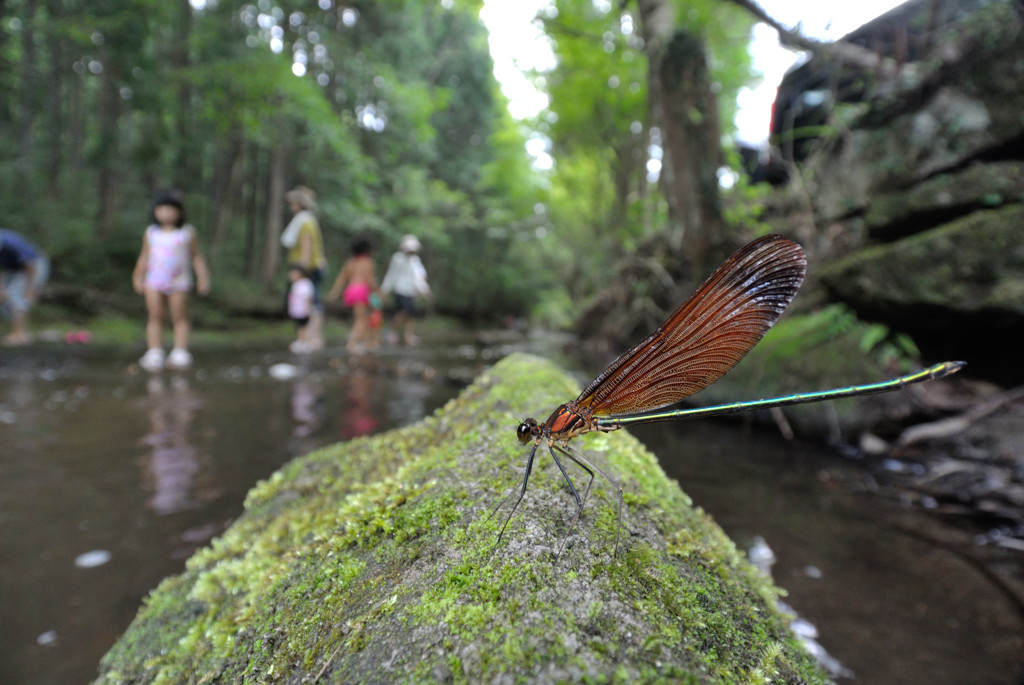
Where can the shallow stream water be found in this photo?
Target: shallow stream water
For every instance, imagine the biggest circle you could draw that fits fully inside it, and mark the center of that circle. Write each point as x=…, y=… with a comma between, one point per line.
x=110, y=478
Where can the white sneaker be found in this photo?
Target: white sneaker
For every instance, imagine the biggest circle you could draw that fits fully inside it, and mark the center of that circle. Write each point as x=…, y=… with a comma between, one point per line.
x=300, y=347
x=153, y=360
x=179, y=359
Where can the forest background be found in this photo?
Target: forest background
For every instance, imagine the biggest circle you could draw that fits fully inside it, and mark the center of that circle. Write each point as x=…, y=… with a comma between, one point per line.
x=388, y=109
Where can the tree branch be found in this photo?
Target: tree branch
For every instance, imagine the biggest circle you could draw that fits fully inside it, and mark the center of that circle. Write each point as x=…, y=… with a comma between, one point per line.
x=786, y=36
x=844, y=51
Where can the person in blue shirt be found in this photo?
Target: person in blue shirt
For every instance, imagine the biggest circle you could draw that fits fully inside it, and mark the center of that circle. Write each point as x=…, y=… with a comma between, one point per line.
x=24, y=269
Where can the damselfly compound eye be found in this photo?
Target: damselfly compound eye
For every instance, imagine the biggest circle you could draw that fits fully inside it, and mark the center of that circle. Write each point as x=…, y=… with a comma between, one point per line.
x=525, y=430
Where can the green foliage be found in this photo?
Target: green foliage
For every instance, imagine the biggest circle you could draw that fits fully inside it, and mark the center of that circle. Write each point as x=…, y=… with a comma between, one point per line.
x=389, y=110
x=792, y=336
x=601, y=200
x=744, y=203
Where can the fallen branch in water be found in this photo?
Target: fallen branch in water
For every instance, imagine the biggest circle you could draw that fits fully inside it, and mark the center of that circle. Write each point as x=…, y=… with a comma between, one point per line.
x=954, y=425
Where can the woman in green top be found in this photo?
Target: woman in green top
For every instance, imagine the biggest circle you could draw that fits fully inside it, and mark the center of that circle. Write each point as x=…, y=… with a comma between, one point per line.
x=305, y=247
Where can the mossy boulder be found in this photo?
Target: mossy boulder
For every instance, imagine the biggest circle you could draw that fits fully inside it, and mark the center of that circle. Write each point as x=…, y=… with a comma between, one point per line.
x=918, y=157
x=963, y=107
x=974, y=265
x=958, y=288
x=375, y=561
x=943, y=198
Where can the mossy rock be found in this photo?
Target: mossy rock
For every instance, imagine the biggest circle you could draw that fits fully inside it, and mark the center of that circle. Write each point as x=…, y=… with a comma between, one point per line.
x=971, y=267
x=375, y=561
x=962, y=109
x=942, y=198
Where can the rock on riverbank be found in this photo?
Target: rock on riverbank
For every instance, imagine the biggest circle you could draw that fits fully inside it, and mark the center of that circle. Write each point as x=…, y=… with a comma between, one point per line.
x=374, y=560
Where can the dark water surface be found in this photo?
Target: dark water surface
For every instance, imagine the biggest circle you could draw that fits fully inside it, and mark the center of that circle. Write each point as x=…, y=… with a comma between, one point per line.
x=896, y=595
x=110, y=479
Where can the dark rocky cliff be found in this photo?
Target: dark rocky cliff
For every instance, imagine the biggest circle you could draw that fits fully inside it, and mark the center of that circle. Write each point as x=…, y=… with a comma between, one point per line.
x=912, y=198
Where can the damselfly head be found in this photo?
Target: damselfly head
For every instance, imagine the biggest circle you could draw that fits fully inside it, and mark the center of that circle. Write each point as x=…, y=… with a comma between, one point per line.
x=526, y=430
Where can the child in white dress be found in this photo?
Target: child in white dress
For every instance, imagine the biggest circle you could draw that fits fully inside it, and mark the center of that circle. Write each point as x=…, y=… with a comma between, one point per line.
x=163, y=273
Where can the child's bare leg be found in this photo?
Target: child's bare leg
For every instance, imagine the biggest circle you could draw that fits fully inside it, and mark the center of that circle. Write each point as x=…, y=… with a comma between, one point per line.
x=410, y=338
x=179, y=318
x=19, y=327
x=362, y=313
x=360, y=325
x=154, y=318
x=397, y=325
x=315, y=330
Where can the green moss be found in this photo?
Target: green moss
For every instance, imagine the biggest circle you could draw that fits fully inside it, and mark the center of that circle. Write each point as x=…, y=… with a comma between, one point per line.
x=375, y=560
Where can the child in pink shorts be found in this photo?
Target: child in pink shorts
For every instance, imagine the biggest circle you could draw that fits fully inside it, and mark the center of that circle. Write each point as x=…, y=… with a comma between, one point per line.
x=355, y=283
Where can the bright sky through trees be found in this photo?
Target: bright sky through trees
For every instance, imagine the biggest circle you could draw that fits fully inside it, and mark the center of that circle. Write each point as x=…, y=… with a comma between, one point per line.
x=518, y=45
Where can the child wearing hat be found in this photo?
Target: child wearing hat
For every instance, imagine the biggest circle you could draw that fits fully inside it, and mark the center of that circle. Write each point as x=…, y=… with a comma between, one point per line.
x=407, y=279
x=304, y=242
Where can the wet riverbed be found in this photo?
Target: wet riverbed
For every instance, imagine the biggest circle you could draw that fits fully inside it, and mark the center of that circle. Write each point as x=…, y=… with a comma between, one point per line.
x=110, y=478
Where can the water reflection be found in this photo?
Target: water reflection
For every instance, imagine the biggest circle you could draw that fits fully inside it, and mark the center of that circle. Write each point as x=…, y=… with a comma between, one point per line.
x=19, y=396
x=408, y=400
x=305, y=395
x=357, y=417
x=103, y=509
x=171, y=469
x=306, y=412
x=761, y=555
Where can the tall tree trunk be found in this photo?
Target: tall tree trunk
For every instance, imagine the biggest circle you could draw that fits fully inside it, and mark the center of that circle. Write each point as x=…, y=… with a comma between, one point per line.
x=275, y=208
x=692, y=147
x=187, y=157
x=76, y=123
x=5, y=66
x=684, y=108
x=227, y=184
x=109, y=113
x=622, y=178
x=252, y=201
x=30, y=93
x=55, y=104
